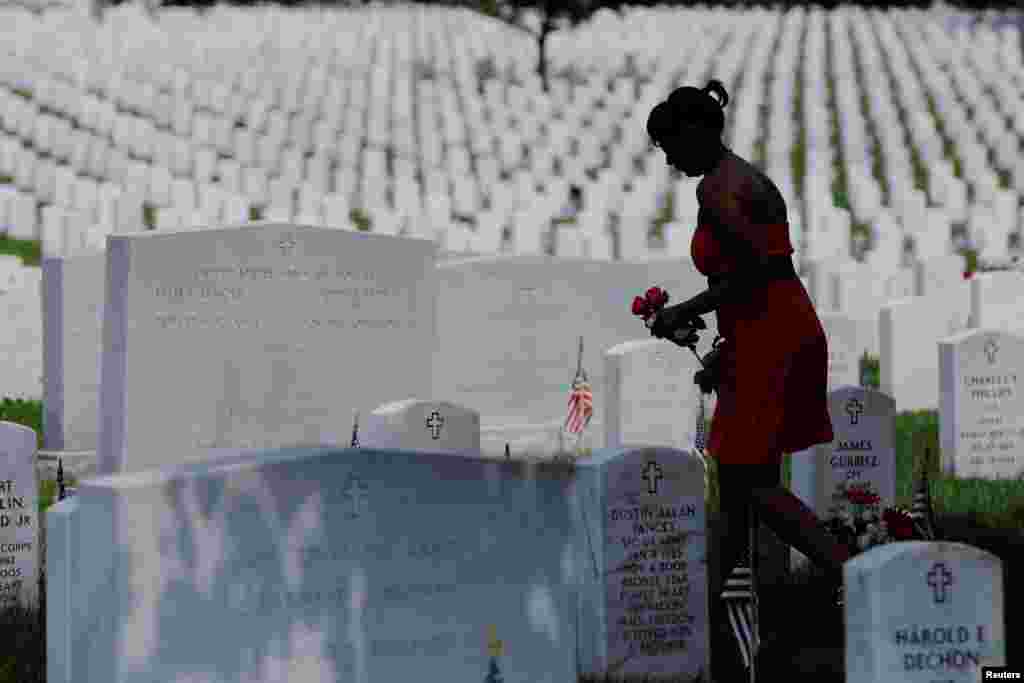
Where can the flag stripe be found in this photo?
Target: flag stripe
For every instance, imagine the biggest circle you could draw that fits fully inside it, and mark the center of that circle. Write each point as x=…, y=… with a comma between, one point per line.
x=581, y=407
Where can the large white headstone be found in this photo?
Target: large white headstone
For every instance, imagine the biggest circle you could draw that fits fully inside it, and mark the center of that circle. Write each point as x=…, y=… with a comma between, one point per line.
x=651, y=397
x=316, y=565
x=921, y=612
x=509, y=329
x=257, y=336
x=19, y=523
x=72, y=297
x=909, y=331
x=981, y=405
x=419, y=425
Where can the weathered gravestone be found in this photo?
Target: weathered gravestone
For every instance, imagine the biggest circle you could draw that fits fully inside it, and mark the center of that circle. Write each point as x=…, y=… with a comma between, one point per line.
x=525, y=315
x=19, y=524
x=416, y=425
x=257, y=336
x=651, y=397
x=909, y=332
x=981, y=405
x=922, y=612
x=861, y=456
x=317, y=565
x=651, y=542
x=72, y=298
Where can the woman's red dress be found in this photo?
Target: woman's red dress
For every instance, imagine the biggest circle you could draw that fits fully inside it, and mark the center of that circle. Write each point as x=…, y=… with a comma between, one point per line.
x=773, y=393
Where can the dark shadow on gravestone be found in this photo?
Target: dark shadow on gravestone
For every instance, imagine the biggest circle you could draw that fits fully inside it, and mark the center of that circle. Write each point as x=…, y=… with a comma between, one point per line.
x=363, y=573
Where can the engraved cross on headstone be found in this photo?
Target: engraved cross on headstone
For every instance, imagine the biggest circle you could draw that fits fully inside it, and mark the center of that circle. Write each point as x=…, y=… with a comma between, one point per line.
x=286, y=245
x=356, y=493
x=854, y=408
x=434, y=424
x=990, y=350
x=652, y=474
x=937, y=584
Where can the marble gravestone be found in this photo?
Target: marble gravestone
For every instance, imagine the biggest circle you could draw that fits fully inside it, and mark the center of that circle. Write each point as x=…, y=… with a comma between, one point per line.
x=981, y=405
x=651, y=398
x=862, y=454
x=997, y=301
x=909, y=330
x=72, y=298
x=417, y=425
x=844, y=339
x=19, y=524
x=257, y=336
x=525, y=315
x=319, y=564
x=922, y=612
x=654, y=554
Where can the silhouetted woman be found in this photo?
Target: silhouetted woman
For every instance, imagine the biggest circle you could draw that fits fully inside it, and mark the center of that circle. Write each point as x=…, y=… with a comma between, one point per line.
x=772, y=396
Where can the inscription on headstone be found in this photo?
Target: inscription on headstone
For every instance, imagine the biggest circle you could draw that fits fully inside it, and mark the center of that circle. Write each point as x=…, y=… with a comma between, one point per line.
x=655, y=563
x=19, y=525
x=923, y=612
x=862, y=455
x=981, y=405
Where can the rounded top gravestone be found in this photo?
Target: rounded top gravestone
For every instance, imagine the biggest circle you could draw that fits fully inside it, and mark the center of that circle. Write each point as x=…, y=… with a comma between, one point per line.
x=655, y=561
x=919, y=611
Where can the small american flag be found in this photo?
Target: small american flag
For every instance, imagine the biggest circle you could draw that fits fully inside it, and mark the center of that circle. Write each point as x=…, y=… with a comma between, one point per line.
x=581, y=407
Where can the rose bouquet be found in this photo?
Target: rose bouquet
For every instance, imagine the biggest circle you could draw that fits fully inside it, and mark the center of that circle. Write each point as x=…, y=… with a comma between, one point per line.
x=855, y=519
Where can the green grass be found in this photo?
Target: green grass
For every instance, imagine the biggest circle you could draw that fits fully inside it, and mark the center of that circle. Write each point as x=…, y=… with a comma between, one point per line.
x=24, y=412
x=30, y=251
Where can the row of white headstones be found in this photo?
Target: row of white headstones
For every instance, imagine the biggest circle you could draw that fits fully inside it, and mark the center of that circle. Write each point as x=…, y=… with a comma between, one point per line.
x=911, y=209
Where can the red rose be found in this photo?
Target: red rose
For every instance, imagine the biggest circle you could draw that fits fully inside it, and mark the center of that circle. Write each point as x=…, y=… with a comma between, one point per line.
x=656, y=297
x=899, y=523
x=967, y=275
x=639, y=306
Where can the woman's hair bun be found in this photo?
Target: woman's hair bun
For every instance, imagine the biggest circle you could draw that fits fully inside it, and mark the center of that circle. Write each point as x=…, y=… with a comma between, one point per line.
x=715, y=87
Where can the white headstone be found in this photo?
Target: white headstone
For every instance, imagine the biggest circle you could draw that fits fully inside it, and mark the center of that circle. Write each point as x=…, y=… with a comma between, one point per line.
x=655, y=566
x=525, y=315
x=651, y=398
x=20, y=555
x=920, y=612
x=981, y=405
x=314, y=322
x=997, y=301
x=72, y=302
x=843, y=335
x=418, y=425
x=862, y=454
x=909, y=332
x=384, y=567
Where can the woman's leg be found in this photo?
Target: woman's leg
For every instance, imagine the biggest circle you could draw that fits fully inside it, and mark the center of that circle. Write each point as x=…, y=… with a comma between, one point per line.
x=796, y=525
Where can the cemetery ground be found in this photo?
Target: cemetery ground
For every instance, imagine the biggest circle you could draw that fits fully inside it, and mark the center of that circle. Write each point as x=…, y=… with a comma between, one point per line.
x=985, y=514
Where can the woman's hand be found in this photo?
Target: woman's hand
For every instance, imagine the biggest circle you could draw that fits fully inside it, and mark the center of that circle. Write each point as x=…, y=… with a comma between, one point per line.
x=673, y=318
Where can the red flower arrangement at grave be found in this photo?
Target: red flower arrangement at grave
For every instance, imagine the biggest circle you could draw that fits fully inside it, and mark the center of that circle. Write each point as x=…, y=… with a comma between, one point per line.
x=855, y=519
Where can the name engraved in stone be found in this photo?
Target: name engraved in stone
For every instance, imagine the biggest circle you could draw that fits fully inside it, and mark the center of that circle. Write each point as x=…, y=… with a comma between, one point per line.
x=854, y=461
x=948, y=648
